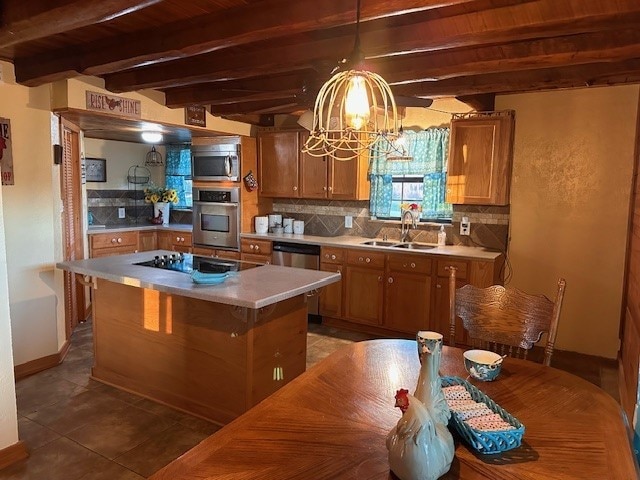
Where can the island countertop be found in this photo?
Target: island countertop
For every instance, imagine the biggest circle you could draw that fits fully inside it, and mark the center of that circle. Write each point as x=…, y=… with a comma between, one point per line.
x=252, y=288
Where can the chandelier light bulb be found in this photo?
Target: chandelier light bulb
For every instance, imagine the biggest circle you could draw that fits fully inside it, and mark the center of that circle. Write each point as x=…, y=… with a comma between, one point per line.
x=357, y=109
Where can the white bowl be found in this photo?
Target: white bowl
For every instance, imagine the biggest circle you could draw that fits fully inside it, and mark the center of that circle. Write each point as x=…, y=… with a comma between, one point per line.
x=482, y=364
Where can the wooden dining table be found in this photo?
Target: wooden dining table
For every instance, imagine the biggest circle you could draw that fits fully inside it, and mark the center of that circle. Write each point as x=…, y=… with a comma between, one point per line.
x=332, y=421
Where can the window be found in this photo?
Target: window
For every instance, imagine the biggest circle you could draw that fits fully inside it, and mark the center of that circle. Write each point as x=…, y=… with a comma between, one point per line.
x=421, y=180
x=405, y=189
x=178, y=174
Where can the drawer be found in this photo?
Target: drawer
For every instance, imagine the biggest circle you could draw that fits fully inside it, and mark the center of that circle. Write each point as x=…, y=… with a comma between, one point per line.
x=332, y=255
x=228, y=254
x=365, y=258
x=182, y=239
x=249, y=257
x=204, y=251
x=409, y=263
x=116, y=239
x=461, y=266
x=251, y=245
x=105, y=252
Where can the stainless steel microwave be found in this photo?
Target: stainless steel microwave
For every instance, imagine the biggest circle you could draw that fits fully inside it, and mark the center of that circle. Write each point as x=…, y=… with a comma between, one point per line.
x=217, y=162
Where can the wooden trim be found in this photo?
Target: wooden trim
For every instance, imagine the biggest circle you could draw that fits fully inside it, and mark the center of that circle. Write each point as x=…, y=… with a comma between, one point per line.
x=39, y=364
x=12, y=454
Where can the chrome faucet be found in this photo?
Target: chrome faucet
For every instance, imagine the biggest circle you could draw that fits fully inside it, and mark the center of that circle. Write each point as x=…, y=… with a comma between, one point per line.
x=405, y=233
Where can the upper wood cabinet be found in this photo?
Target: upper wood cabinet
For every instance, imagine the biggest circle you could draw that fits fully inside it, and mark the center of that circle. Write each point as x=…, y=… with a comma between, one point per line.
x=287, y=172
x=278, y=164
x=480, y=152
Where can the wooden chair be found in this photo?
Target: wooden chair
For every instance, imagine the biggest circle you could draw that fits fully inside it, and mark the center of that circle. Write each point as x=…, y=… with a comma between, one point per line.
x=506, y=321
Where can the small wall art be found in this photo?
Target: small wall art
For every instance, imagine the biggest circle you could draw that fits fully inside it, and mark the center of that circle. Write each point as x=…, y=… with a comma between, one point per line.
x=96, y=169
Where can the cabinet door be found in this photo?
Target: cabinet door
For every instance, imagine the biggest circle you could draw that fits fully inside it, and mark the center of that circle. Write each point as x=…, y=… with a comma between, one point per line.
x=250, y=257
x=313, y=173
x=105, y=252
x=165, y=240
x=407, y=302
x=147, y=241
x=331, y=295
x=441, y=312
x=343, y=179
x=228, y=254
x=278, y=164
x=479, y=169
x=363, y=295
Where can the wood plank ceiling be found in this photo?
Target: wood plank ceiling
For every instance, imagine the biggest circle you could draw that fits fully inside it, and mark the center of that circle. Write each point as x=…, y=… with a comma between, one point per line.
x=250, y=57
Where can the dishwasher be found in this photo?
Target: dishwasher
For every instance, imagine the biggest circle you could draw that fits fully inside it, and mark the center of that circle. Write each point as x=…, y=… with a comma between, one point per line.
x=299, y=255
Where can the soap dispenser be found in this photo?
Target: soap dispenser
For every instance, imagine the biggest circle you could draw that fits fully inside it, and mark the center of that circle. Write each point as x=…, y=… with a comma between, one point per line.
x=442, y=237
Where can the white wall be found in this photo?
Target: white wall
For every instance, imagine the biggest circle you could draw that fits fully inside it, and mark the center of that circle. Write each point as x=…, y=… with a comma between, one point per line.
x=121, y=157
x=31, y=210
x=8, y=414
x=571, y=184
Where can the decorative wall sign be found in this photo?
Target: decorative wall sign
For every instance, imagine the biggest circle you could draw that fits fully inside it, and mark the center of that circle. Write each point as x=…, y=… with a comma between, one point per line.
x=6, y=155
x=195, y=115
x=102, y=102
x=96, y=169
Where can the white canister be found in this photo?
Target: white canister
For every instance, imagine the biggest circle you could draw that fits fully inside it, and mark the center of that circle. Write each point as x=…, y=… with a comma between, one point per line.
x=298, y=227
x=287, y=224
x=262, y=224
x=275, y=220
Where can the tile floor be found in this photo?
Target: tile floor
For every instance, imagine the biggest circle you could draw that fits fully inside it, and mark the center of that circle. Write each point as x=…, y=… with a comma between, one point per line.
x=78, y=429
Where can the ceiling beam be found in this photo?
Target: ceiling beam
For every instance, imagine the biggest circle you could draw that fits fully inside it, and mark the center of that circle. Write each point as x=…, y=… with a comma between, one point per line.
x=25, y=21
x=600, y=74
x=549, y=52
x=260, y=107
x=485, y=102
x=241, y=25
x=468, y=30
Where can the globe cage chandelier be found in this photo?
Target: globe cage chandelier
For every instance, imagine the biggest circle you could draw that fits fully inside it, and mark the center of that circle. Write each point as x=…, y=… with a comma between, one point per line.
x=353, y=112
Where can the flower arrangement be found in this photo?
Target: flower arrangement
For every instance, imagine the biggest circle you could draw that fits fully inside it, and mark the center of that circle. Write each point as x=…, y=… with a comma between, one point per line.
x=411, y=206
x=154, y=194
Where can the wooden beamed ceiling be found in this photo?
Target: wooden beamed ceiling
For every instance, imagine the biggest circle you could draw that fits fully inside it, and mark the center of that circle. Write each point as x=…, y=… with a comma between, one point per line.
x=248, y=57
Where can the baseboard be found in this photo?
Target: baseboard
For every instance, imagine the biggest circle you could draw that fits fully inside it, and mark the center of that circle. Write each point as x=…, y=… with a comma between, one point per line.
x=12, y=454
x=39, y=364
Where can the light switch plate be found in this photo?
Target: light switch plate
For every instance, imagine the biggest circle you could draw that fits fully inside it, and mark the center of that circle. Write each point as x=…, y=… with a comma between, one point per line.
x=465, y=226
x=121, y=212
x=348, y=221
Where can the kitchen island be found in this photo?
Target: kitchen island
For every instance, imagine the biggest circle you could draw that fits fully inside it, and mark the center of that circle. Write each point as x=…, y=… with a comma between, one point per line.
x=210, y=350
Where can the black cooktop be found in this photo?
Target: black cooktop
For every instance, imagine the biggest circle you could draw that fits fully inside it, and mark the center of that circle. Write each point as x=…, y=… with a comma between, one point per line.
x=186, y=263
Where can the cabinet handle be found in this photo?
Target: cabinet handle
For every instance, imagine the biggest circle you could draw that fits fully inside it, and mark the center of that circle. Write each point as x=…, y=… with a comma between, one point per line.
x=326, y=255
x=438, y=286
x=368, y=260
x=257, y=247
x=379, y=279
x=333, y=257
x=390, y=280
x=330, y=188
x=119, y=240
x=113, y=240
x=251, y=246
x=295, y=188
x=360, y=259
x=324, y=189
x=267, y=262
x=413, y=265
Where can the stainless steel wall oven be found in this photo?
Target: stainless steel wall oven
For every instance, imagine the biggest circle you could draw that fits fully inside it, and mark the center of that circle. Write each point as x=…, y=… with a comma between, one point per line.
x=216, y=217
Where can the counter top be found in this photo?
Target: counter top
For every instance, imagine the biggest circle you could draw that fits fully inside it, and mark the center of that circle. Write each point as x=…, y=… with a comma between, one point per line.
x=127, y=228
x=473, y=253
x=252, y=288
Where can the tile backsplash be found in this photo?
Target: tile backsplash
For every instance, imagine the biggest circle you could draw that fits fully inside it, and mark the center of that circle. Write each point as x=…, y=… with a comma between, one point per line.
x=489, y=224
x=103, y=206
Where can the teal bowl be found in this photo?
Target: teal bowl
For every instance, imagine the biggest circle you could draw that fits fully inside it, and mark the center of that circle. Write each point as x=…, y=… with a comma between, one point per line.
x=482, y=364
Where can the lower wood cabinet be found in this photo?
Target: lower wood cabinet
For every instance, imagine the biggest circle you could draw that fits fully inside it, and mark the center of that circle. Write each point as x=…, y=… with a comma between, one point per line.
x=147, y=240
x=255, y=250
x=330, y=301
x=116, y=243
x=397, y=293
x=176, y=240
x=217, y=253
x=408, y=293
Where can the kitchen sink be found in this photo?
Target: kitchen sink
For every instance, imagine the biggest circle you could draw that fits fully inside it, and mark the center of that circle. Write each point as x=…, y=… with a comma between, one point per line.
x=413, y=246
x=379, y=243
